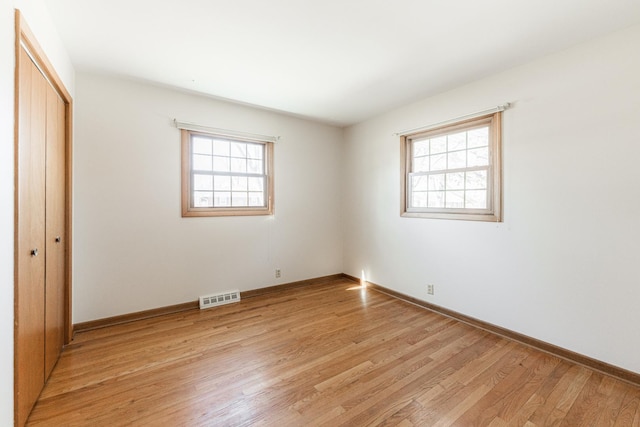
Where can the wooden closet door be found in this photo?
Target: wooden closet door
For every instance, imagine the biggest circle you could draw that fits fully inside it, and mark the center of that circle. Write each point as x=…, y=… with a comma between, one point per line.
x=55, y=240
x=30, y=238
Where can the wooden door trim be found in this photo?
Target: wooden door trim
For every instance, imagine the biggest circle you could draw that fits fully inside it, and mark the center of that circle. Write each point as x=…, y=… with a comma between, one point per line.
x=24, y=37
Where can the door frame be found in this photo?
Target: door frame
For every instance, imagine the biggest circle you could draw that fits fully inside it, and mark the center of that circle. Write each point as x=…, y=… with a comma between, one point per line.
x=25, y=37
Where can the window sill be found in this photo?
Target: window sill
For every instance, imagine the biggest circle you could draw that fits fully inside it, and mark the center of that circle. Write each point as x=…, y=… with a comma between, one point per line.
x=454, y=216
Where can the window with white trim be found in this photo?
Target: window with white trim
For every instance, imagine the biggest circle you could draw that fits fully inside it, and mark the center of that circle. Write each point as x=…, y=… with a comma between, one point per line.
x=454, y=171
x=224, y=176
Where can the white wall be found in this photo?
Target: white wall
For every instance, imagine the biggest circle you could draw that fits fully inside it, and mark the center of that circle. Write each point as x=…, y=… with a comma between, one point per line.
x=37, y=17
x=563, y=266
x=7, y=61
x=133, y=250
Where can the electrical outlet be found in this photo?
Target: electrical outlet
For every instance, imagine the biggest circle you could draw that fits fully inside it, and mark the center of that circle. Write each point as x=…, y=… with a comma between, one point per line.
x=278, y=274
x=430, y=289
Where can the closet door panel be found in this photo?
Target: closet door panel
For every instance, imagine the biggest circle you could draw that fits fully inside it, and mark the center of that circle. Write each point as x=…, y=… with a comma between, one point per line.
x=30, y=245
x=55, y=229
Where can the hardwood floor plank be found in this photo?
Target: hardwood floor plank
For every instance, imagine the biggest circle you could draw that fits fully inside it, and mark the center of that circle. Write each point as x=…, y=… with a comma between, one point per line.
x=515, y=390
x=377, y=399
x=589, y=403
x=629, y=408
x=380, y=377
x=332, y=354
x=614, y=394
x=462, y=407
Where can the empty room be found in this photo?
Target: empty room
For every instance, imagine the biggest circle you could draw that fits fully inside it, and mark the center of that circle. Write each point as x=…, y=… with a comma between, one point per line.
x=310, y=213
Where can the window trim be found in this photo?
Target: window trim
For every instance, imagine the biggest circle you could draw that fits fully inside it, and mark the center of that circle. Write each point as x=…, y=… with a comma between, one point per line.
x=494, y=212
x=189, y=211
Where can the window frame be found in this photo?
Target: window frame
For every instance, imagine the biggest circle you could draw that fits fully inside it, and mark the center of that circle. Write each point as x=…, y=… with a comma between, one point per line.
x=188, y=208
x=493, y=213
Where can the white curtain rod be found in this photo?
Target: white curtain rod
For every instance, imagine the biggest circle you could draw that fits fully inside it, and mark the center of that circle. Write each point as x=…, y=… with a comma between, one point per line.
x=224, y=132
x=455, y=119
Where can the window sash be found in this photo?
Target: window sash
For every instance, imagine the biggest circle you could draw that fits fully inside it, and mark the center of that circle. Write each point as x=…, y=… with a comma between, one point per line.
x=487, y=188
x=213, y=190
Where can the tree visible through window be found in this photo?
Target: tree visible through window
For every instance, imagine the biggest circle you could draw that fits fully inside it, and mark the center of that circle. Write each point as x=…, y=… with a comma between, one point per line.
x=454, y=171
x=226, y=176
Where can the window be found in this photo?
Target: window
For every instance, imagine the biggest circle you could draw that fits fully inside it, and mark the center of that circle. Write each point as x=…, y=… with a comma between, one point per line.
x=223, y=176
x=453, y=171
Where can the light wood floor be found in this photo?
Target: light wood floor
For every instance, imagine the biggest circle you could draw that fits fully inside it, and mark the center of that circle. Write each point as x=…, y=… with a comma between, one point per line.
x=330, y=355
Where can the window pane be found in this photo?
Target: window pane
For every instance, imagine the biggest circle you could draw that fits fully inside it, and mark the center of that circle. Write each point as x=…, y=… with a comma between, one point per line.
x=476, y=180
x=222, y=198
x=457, y=141
x=239, y=149
x=439, y=145
x=239, y=165
x=436, y=182
x=478, y=157
x=222, y=183
x=419, y=183
x=239, y=198
x=220, y=164
x=220, y=147
x=201, y=145
x=419, y=199
x=454, y=199
x=457, y=160
x=438, y=162
x=202, y=199
x=455, y=181
x=254, y=166
x=238, y=183
x=421, y=164
x=256, y=199
x=254, y=151
x=436, y=199
x=201, y=162
x=421, y=147
x=203, y=182
x=256, y=184
x=478, y=138
x=476, y=199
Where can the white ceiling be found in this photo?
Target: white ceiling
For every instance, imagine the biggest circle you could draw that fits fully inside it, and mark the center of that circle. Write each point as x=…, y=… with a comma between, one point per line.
x=337, y=61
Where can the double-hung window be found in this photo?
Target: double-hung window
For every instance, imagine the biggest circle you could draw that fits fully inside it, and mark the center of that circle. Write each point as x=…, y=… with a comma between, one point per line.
x=453, y=172
x=223, y=176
